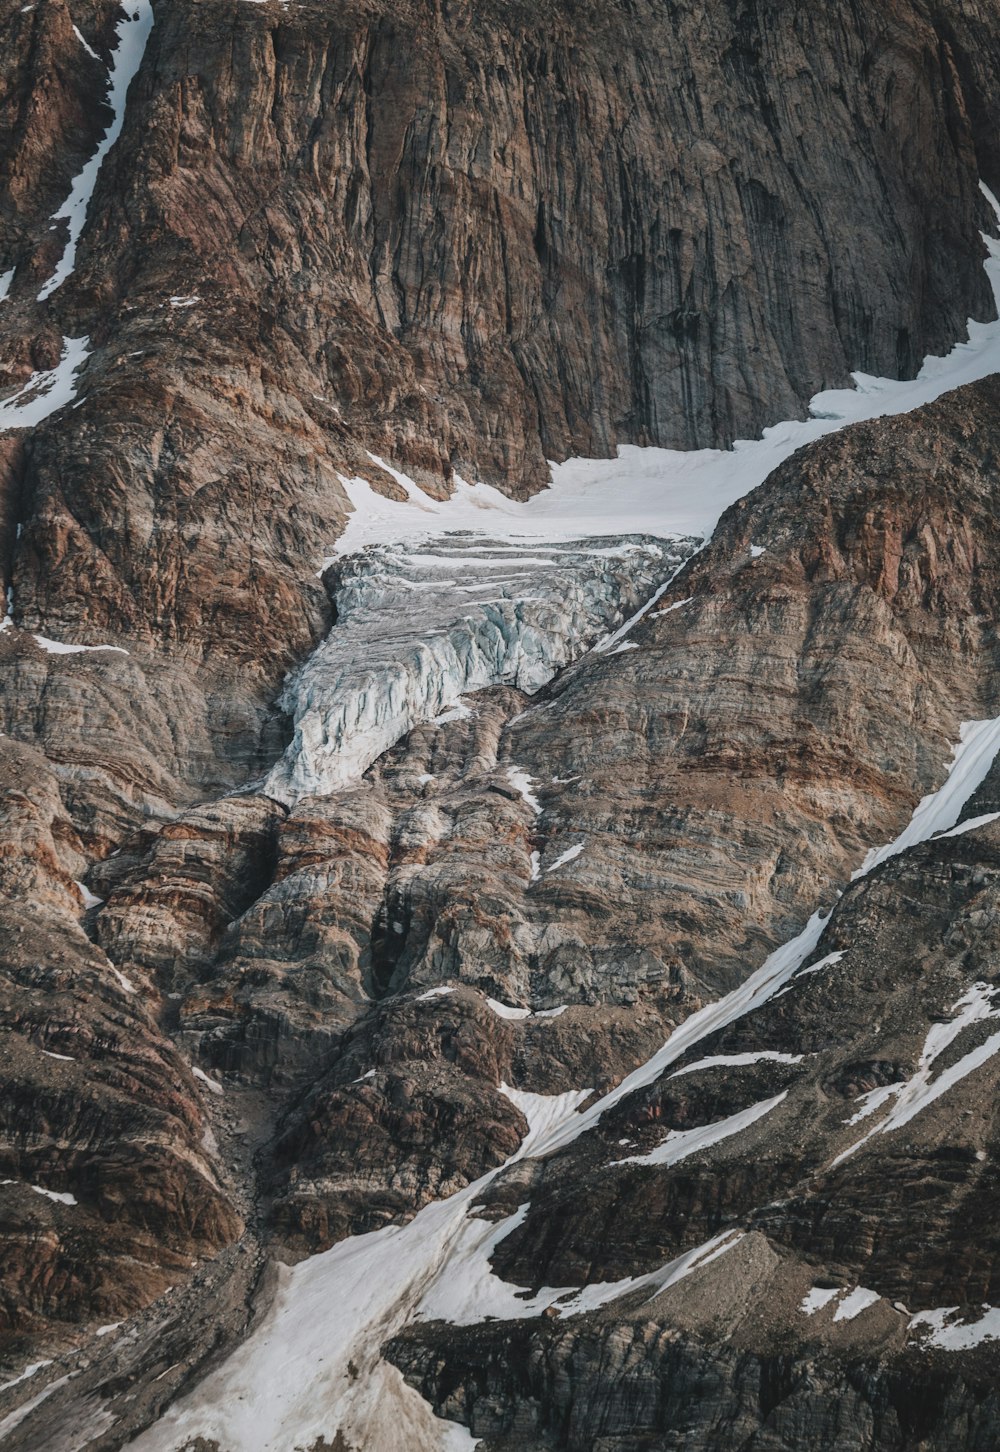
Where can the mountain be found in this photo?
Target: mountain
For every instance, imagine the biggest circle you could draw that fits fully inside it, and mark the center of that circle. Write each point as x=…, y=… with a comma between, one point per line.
x=499, y=692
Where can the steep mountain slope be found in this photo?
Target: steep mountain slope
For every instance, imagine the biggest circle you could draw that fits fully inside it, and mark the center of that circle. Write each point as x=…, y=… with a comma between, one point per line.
x=453, y=891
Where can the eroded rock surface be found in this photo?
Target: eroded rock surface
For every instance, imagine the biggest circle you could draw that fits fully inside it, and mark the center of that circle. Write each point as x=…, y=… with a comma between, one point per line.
x=321, y=889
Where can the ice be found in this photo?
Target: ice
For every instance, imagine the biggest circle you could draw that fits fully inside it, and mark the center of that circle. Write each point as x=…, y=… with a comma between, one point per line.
x=570, y=855
x=817, y=1298
x=948, y=1335
x=313, y=1366
x=681, y=1143
x=44, y=393
x=400, y=655
x=132, y=32
x=733, y=1060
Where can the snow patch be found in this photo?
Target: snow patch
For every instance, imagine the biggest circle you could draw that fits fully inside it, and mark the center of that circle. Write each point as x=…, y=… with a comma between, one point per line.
x=58, y=647
x=522, y=782
x=132, y=32
x=946, y=1334
x=734, y=1060
x=88, y=48
x=90, y=900
x=817, y=1298
x=203, y=1078
x=922, y=1089
x=570, y=855
x=29, y=1371
x=46, y=392
x=681, y=1143
x=61, y=1197
x=855, y=1302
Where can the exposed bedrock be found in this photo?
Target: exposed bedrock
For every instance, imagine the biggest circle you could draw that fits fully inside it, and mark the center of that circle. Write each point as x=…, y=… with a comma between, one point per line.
x=465, y=239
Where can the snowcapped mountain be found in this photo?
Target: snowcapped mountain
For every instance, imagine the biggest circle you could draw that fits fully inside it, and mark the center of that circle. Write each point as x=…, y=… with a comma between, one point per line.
x=499, y=782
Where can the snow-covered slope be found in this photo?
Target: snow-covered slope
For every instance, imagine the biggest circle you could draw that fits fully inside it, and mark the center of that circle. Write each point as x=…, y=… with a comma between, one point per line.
x=436, y=598
x=314, y=1366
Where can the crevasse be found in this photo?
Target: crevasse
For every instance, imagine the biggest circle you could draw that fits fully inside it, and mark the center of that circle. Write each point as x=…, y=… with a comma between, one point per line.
x=416, y=629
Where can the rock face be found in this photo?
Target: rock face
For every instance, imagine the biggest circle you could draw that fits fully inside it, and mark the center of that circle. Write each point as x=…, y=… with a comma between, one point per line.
x=476, y=923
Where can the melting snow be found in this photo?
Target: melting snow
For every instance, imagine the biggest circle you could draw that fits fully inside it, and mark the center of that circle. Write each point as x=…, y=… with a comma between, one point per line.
x=58, y=647
x=15, y=1418
x=88, y=48
x=90, y=900
x=28, y=1371
x=936, y=814
x=970, y=826
x=502, y=1010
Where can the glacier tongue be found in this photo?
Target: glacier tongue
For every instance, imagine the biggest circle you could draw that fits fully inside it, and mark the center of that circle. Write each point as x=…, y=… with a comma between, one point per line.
x=419, y=625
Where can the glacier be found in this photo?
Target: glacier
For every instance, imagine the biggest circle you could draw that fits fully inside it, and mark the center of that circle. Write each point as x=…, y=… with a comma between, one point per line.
x=418, y=628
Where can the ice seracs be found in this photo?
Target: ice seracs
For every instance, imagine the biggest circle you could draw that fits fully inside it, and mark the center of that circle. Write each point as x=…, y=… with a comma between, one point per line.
x=419, y=628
